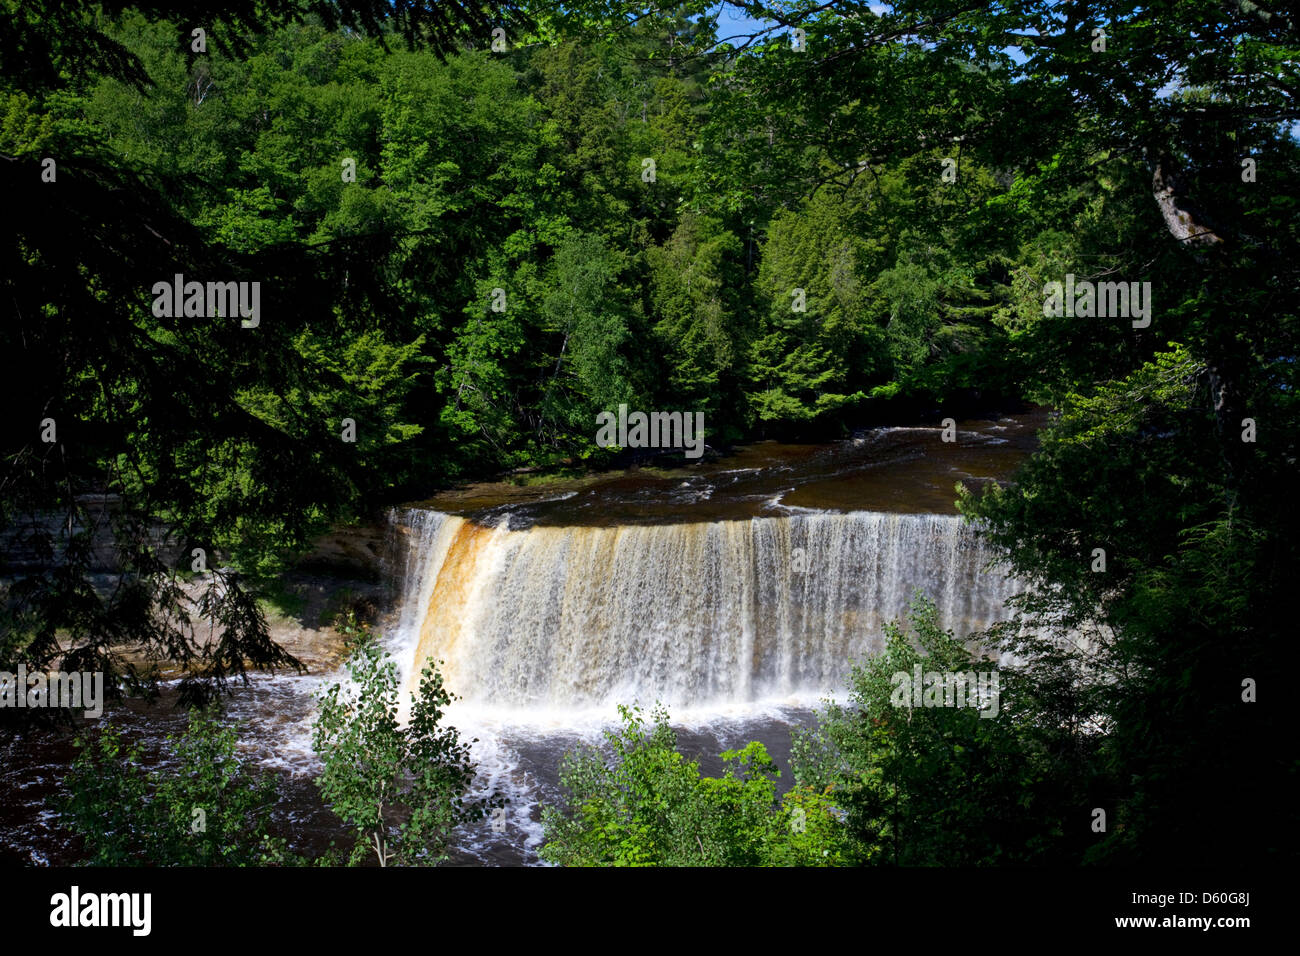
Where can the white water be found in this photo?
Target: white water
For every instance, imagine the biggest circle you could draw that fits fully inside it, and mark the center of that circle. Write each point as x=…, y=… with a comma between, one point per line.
x=549, y=624
x=543, y=631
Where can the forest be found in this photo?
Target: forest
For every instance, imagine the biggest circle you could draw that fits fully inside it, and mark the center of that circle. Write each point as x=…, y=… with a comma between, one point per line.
x=444, y=239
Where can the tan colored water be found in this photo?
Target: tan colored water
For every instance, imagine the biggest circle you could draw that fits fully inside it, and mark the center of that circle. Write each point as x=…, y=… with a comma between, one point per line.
x=550, y=600
x=900, y=470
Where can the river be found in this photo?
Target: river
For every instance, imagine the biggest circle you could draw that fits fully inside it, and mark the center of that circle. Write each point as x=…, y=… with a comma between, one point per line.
x=735, y=591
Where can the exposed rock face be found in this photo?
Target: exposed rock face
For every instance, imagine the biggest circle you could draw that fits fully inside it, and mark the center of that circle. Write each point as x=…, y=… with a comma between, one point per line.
x=347, y=569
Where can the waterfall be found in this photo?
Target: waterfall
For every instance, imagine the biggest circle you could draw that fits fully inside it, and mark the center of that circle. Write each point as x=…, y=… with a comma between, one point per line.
x=696, y=614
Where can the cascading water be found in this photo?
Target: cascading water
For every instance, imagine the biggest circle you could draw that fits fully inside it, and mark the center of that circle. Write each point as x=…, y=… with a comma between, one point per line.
x=737, y=593
x=696, y=615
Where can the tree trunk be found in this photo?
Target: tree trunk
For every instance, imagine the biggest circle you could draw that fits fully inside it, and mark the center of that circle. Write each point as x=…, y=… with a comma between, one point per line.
x=1192, y=227
x=1185, y=221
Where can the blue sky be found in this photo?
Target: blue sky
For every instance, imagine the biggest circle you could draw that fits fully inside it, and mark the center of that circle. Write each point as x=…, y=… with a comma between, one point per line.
x=732, y=20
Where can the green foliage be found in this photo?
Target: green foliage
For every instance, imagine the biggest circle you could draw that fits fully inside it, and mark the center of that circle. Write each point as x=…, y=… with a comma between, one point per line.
x=1196, y=535
x=585, y=312
x=645, y=804
x=776, y=170
x=401, y=788
x=698, y=295
x=933, y=785
x=813, y=362
x=202, y=806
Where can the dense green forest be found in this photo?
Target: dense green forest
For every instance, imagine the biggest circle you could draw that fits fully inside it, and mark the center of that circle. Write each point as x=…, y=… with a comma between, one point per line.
x=465, y=253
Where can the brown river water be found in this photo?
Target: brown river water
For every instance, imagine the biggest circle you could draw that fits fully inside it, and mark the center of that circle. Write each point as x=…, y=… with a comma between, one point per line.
x=736, y=591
